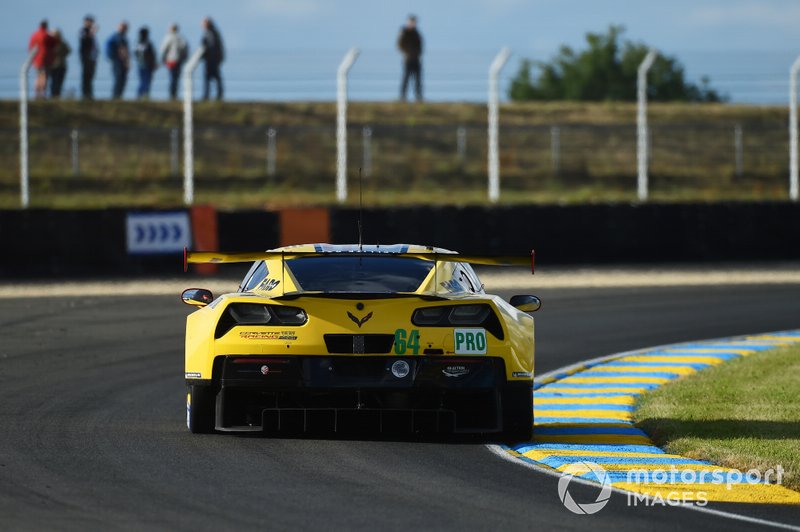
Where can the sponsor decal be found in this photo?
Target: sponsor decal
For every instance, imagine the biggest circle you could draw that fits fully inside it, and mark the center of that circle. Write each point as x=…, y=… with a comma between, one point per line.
x=470, y=341
x=400, y=369
x=268, y=284
x=265, y=370
x=335, y=248
x=268, y=335
x=455, y=371
x=452, y=286
x=358, y=321
x=192, y=375
x=521, y=374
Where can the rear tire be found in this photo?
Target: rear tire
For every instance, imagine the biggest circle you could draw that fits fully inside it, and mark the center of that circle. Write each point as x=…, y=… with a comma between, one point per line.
x=200, y=409
x=517, y=405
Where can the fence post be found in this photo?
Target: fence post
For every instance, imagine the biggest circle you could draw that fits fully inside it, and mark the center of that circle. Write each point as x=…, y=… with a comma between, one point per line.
x=555, y=148
x=272, y=151
x=366, y=136
x=494, y=119
x=738, y=150
x=461, y=143
x=793, y=162
x=341, y=123
x=23, y=129
x=642, y=136
x=76, y=167
x=188, y=133
x=174, y=151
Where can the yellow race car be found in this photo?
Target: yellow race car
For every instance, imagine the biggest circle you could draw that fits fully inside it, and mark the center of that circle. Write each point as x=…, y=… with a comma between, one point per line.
x=391, y=339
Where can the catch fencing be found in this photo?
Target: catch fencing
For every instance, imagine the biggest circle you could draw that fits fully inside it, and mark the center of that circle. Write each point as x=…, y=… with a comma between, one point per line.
x=689, y=160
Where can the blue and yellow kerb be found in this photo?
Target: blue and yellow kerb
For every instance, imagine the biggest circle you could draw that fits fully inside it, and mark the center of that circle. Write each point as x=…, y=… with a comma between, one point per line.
x=585, y=415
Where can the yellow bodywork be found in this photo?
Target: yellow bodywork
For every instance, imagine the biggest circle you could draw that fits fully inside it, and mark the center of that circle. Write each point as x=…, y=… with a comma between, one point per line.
x=329, y=315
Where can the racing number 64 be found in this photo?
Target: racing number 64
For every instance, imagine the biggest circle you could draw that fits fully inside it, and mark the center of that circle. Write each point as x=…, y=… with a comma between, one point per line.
x=405, y=341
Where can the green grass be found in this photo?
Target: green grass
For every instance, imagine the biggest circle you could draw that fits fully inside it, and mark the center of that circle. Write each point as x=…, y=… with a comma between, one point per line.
x=66, y=113
x=743, y=414
x=125, y=153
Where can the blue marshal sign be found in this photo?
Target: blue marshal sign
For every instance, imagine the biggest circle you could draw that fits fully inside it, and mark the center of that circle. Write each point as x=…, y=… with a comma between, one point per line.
x=153, y=233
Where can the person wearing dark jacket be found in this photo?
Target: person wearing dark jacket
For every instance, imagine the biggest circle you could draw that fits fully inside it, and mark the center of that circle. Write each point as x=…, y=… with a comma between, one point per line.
x=410, y=44
x=213, y=56
x=145, y=61
x=58, y=67
x=88, y=53
x=119, y=53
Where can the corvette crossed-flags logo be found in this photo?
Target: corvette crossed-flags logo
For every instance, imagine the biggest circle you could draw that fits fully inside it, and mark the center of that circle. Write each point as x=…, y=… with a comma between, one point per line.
x=361, y=321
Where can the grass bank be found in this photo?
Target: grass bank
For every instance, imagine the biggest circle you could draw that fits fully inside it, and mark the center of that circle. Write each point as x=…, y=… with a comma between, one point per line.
x=743, y=414
x=130, y=152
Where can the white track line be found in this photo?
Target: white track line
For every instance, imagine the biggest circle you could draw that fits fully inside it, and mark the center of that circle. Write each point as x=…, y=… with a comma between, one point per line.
x=505, y=455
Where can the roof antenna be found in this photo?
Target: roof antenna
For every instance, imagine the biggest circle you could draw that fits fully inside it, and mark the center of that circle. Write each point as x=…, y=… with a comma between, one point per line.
x=360, y=212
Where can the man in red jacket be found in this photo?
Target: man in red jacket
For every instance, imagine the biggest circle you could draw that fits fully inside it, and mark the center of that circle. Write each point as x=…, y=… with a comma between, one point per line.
x=44, y=43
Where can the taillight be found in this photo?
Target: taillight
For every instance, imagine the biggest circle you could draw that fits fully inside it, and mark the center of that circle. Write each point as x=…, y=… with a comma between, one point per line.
x=258, y=314
x=469, y=314
x=289, y=315
x=472, y=315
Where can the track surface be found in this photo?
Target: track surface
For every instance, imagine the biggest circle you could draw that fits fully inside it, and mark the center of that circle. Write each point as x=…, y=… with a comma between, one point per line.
x=93, y=427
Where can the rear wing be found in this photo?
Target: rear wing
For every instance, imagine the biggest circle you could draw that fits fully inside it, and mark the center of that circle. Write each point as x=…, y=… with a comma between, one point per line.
x=217, y=257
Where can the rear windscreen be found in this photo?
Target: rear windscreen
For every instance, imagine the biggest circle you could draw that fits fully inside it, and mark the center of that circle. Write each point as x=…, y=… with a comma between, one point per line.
x=359, y=274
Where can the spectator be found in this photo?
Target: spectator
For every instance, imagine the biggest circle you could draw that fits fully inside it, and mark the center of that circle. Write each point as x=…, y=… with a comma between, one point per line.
x=43, y=42
x=174, y=52
x=118, y=52
x=214, y=55
x=410, y=44
x=58, y=67
x=88, y=53
x=146, y=62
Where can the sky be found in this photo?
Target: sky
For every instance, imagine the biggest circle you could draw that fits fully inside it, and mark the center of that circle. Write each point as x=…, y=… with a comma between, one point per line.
x=531, y=28
x=463, y=24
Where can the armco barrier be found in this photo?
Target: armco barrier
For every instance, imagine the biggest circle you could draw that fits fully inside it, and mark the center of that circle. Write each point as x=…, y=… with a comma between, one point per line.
x=36, y=243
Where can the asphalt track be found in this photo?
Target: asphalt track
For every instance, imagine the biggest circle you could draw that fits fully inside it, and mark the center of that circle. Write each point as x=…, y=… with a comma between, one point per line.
x=93, y=433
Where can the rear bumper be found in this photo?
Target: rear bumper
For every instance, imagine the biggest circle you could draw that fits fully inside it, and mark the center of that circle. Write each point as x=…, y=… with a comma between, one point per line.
x=376, y=394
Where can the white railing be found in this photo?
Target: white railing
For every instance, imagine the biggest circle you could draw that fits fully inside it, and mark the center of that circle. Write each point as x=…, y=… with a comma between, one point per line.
x=793, y=156
x=642, y=132
x=341, y=123
x=188, y=126
x=494, y=119
x=24, y=191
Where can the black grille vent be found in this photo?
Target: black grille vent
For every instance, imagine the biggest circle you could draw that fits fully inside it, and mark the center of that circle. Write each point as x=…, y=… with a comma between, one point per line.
x=359, y=344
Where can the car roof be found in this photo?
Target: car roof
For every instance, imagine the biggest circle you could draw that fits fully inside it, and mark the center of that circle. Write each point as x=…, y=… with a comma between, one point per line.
x=445, y=277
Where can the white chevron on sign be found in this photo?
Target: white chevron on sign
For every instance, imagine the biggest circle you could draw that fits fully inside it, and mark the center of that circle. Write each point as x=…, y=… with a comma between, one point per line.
x=158, y=232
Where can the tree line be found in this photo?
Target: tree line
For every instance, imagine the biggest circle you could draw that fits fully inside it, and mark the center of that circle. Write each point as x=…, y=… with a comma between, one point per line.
x=606, y=71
